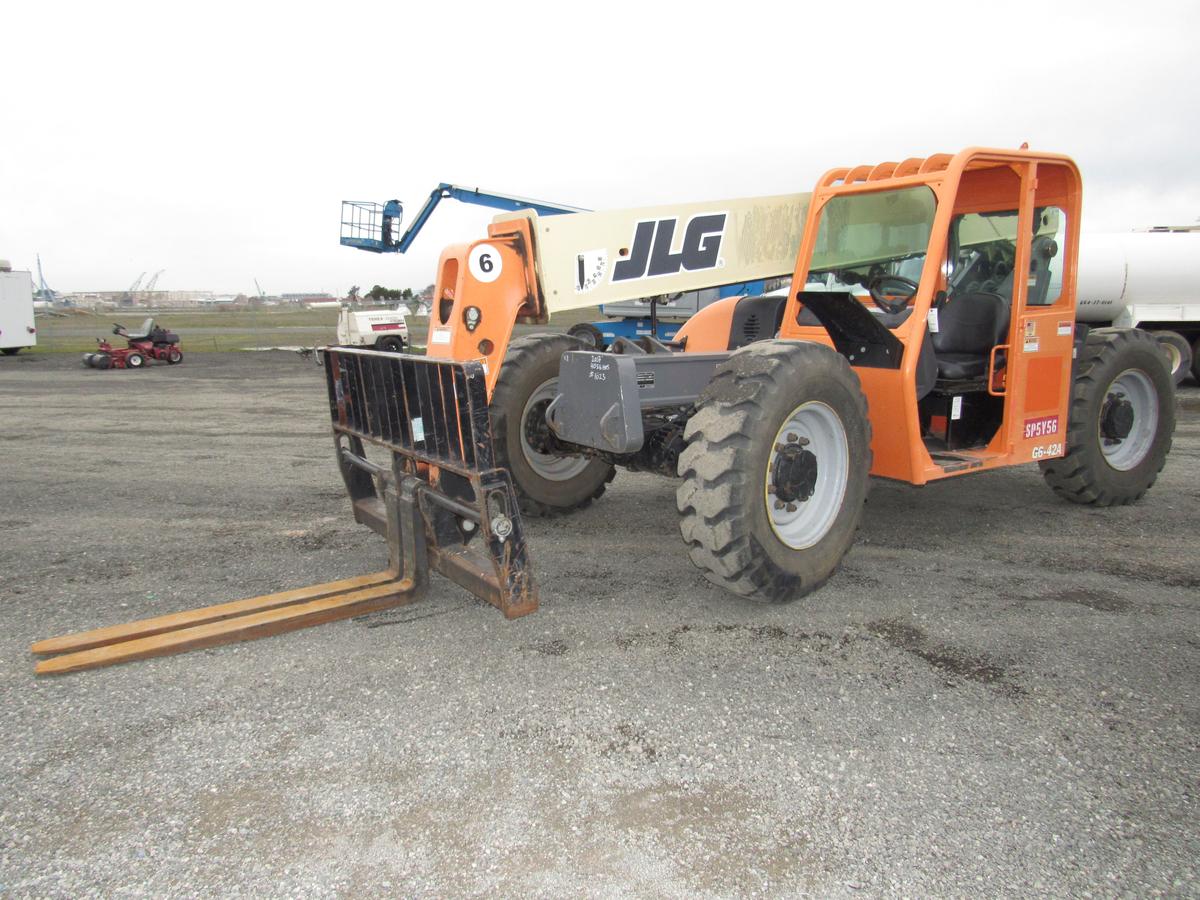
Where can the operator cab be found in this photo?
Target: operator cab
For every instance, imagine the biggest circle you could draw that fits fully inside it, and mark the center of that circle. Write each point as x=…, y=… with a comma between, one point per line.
x=879, y=243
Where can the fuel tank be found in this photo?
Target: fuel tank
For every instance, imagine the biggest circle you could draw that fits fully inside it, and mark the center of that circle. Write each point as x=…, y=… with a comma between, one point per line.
x=1139, y=268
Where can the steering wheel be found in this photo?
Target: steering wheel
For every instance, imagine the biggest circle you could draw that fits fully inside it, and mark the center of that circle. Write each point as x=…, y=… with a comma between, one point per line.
x=898, y=301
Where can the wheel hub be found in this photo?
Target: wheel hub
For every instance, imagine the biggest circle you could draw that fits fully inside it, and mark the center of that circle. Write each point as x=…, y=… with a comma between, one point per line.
x=1116, y=418
x=794, y=472
x=806, y=475
x=537, y=432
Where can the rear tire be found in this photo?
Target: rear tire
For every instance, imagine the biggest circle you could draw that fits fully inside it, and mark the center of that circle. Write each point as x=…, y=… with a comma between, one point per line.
x=174, y=357
x=546, y=484
x=1120, y=423
x=10, y=351
x=1196, y=359
x=745, y=499
x=1178, y=352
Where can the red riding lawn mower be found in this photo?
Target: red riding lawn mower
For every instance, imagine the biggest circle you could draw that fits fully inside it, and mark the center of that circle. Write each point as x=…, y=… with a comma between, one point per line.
x=151, y=342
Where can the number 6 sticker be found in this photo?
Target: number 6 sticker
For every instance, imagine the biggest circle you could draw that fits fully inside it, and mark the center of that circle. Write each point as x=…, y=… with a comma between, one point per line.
x=484, y=262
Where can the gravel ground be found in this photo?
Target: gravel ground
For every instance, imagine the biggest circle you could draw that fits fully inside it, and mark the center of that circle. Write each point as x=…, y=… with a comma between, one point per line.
x=997, y=694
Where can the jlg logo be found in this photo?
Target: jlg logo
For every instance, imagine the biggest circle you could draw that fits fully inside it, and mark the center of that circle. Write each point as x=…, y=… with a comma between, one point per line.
x=651, y=253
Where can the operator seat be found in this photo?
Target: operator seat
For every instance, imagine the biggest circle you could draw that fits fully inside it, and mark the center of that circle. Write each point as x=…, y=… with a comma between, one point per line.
x=142, y=333
x=969, y=326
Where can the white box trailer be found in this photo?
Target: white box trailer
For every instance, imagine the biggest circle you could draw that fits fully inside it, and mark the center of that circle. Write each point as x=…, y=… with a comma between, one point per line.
x=16, y=310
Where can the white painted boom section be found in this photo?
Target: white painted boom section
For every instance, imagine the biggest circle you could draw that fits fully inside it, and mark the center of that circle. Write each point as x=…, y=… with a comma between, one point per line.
x=584, y=259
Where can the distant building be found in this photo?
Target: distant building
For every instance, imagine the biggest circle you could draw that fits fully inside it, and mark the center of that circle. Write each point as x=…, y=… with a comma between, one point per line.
x=111, y=299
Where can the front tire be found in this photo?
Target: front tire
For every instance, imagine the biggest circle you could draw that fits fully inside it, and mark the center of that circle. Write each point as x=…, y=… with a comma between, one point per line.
x=776, y=470
x=546, y=483
x=1121, y=420
x=135, y=361
x=10, y=351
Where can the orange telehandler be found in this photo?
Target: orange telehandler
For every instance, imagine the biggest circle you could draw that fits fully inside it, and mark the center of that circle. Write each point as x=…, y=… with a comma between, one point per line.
x=929, y=332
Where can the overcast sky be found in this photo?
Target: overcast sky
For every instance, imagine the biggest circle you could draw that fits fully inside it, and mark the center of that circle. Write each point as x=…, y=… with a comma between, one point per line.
x=217, y=140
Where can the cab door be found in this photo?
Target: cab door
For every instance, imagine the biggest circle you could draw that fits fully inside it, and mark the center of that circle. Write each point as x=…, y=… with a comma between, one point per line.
x=1036, y=380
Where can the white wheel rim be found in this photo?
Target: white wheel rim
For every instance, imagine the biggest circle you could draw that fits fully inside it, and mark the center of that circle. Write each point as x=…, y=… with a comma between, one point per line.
x=1136, y=387
x=799, y=524
x=547, y=465
x=1174, y=357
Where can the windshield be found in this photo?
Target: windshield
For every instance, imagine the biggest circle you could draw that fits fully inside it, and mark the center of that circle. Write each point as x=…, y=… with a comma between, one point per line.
x=880, y=233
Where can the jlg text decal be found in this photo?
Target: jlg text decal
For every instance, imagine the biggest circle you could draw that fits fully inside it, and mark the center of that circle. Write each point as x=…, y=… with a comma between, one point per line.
x=651, y=256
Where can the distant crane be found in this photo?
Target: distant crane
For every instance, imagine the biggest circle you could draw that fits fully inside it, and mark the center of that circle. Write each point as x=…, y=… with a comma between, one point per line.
x=44, y=291
x=149, y=286
x=262, y=295
x=129, y=299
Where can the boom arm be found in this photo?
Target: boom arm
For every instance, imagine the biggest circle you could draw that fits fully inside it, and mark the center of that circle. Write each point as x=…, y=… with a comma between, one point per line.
x=369, y=226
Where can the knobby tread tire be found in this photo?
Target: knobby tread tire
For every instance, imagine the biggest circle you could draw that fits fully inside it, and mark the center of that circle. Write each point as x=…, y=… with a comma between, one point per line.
x=723, y=515
x=1082, y=474
x=528, y=363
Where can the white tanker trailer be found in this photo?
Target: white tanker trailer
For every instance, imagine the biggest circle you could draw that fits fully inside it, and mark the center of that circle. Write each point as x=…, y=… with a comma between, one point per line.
x=1148, y=280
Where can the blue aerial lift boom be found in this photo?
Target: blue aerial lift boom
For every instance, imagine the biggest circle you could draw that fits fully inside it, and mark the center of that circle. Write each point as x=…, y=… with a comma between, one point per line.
x=372, y=226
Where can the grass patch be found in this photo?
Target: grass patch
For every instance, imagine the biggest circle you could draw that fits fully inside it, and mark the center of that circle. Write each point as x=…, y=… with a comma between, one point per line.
x=206, y=331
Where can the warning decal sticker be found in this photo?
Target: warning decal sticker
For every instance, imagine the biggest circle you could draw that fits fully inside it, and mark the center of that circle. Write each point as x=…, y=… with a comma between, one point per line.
x=590, y=266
